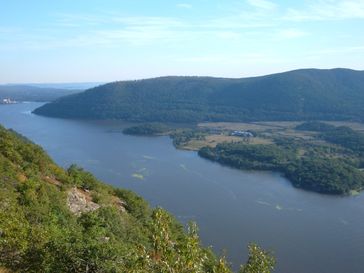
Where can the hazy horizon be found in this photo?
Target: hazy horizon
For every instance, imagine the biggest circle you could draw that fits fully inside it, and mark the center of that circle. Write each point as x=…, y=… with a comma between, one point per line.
x=52, y=84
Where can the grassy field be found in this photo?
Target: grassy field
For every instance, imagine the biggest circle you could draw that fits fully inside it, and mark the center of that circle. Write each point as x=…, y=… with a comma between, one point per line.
x=266, y=133
x=353, y=125
x=213, y=140
x=273, y=125
x=236, y=126
x=214, y=133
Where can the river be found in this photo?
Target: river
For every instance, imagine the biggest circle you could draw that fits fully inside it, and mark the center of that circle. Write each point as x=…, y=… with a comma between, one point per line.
x=307, y=232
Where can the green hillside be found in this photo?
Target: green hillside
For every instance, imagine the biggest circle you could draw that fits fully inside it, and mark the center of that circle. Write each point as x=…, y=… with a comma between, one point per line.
x=307, y=94
x=55, y=220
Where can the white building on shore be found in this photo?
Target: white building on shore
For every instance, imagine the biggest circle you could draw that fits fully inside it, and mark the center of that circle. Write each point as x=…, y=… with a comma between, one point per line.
x=7, y=101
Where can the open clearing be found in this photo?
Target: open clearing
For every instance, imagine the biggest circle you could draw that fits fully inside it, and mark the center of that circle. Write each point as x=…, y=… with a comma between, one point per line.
x=213, y=140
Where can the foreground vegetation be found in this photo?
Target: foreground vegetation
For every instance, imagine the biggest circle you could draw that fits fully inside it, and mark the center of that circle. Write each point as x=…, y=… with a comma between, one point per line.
x=39, y=232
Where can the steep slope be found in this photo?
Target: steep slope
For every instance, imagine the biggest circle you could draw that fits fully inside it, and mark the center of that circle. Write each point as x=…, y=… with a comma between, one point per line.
x=52, y=220
x=336, y=94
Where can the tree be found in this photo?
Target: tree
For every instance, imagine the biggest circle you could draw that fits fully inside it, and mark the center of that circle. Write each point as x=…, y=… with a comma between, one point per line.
x=259, y=261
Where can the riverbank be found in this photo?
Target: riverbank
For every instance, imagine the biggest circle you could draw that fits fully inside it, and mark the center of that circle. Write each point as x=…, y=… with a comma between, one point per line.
x=308, y=158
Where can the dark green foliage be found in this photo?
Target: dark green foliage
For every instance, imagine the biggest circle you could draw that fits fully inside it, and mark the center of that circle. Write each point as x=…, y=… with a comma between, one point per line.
x=308, y=94
x=135, y=205
x=26, y=156
x=148, y=129
x=347, y=138
x=38, y=232
x=325, y=175
x=81, y=178
x=315, y=126
x=245, y=156
x=314, y=171
x=342, y=135
x=181, y=137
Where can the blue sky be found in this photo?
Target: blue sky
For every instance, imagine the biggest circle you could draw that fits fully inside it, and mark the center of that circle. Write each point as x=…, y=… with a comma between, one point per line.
x=108, y=40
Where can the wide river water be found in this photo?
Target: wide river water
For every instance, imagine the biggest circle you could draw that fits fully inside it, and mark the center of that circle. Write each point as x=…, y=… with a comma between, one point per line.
x=307, y=232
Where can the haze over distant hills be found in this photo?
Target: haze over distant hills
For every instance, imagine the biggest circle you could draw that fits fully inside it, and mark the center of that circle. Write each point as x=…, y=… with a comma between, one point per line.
x=34, y=93
x=306, y=94
x=67, y=85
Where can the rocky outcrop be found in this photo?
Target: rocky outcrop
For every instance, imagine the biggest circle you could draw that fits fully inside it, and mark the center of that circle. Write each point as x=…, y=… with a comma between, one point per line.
x=80, y=201
x=120, y=204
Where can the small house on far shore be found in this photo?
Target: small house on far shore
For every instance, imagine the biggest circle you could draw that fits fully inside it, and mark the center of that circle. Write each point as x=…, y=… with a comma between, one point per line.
x=242, y=133
x=7, y=101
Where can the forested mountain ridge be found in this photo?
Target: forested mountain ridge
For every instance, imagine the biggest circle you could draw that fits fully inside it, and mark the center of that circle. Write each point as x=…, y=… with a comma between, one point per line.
x=306, y=94
x=56, y=220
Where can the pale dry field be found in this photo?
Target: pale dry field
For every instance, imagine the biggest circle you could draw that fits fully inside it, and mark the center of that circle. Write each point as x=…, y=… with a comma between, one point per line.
x=279, y=124
x=274, y=125
x=213, y=140
x=267, y=130
x=353, y=125
x=306, y=135
x=235, y=126
x=254, y=126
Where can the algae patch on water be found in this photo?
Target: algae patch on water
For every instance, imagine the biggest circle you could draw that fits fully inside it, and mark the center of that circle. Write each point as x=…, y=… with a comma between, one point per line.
x=138, y=176
x=149, y=157
x=263, y=203
x=183, y=167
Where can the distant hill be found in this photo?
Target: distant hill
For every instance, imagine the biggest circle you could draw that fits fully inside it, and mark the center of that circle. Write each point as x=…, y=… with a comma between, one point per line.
x=33, y=93
x=307, y=94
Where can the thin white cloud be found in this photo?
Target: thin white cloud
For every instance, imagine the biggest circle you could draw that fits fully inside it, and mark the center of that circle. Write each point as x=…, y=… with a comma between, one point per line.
x=231, y=59
x=184, y=6
x=339, y=50
x=228, y=35
x=155, y=21
x=290, y=34
x=328, y=10
x=238, y=22
x=77, y=20
x=262, y=4
x=264, y=23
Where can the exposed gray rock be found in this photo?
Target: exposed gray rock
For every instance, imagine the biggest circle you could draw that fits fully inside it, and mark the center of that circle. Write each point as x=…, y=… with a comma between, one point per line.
x=80, y=201
x=120, y=204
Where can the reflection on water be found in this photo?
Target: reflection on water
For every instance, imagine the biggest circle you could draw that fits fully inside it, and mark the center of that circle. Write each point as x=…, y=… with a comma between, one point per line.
x=308, y=232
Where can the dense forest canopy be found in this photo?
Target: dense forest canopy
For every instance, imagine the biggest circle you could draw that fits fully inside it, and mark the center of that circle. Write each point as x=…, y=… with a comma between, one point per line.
x=55, y=220
x=148, y=129
x=342, y=135
x=307, y=94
